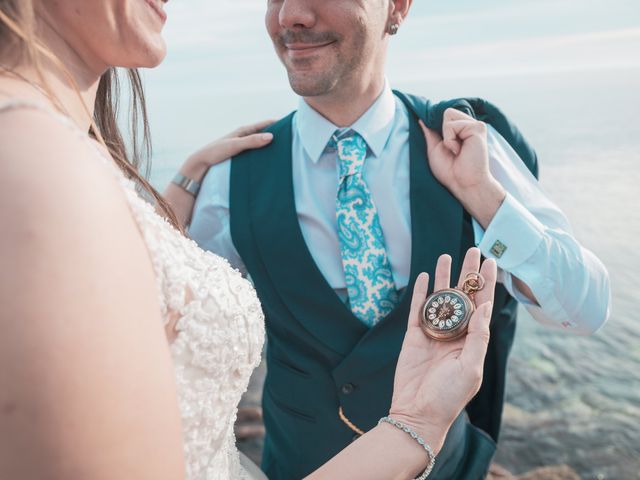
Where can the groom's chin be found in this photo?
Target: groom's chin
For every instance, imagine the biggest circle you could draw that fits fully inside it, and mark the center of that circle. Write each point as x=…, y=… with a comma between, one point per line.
x=310, y=85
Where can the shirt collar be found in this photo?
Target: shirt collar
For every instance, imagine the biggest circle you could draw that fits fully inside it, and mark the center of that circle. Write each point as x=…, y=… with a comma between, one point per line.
x=374, y=125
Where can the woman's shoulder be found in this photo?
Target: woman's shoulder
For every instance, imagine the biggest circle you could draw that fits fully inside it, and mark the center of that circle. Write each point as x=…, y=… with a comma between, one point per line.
x=64, y=212
x=79, y=305
x=30, y=130
x=61, y=199
x=47, y=163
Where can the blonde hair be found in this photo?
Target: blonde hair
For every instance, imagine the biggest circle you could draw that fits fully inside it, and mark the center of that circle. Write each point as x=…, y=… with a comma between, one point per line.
x=18, y=40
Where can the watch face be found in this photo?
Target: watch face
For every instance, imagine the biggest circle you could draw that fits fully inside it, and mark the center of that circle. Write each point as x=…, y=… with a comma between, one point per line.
x=446, y=314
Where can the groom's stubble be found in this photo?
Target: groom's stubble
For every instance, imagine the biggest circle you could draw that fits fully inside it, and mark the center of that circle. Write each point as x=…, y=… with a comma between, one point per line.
x=310, y=77
x=328, y=50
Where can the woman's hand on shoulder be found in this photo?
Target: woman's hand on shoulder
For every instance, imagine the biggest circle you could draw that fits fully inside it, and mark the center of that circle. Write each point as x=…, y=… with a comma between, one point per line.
x=244, y=138
x=436, y=379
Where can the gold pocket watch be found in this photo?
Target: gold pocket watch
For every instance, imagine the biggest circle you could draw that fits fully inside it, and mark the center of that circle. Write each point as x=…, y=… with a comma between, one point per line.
x=446, y=313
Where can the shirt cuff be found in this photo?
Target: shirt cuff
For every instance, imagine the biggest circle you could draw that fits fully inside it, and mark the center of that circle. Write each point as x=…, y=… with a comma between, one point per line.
x=512, y=237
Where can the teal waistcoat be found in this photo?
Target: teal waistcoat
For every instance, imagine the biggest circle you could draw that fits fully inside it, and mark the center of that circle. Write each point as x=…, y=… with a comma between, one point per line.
x=319, y=355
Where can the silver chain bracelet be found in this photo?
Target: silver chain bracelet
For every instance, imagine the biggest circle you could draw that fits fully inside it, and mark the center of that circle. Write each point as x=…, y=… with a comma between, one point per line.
x=417, y=438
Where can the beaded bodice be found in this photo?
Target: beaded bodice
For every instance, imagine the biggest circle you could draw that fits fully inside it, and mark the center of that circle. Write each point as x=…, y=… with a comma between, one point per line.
x=220, y=332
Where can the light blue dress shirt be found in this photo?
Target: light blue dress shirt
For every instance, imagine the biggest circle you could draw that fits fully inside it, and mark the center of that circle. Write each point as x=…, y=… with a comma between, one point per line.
x=569, y=282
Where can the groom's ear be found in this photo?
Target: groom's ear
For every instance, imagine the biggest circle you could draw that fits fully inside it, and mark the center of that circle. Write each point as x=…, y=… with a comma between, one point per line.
x=398, y=10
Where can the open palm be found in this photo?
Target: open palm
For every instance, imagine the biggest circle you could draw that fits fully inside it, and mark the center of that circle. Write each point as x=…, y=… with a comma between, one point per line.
x=435, y=379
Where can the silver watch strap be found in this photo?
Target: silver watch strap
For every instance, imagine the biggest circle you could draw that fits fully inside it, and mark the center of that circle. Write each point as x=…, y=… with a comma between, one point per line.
x=187, y=184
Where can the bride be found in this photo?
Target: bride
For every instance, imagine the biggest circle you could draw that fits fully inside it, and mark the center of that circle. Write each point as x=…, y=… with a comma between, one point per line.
x=124, y=347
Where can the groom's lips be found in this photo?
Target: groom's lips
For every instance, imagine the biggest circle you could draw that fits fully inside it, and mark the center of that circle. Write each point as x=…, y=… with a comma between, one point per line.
x=301, y=50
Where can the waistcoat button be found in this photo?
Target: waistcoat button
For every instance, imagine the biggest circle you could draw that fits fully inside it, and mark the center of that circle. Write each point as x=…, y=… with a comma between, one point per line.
x=348, y=388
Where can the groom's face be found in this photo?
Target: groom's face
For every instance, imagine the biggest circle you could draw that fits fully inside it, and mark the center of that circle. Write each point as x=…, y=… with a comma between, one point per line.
x=326, y=45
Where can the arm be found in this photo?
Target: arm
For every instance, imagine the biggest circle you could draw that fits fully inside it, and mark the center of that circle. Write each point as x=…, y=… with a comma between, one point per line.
x=86, y=386
x=384, y=452
x=433, y=383
x=211, y=224
x=545, y=256
x=197, y=165
x=516, y=224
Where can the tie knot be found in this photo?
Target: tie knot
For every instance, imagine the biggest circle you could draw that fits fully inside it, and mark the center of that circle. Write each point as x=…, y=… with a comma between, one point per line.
x=352, y=151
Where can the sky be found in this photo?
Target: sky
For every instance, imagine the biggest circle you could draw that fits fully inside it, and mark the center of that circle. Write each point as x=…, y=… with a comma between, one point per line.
x=511, y=34
x=221, y=70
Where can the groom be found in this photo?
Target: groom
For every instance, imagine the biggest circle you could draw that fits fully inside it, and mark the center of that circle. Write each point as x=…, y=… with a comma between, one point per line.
x=334, y=273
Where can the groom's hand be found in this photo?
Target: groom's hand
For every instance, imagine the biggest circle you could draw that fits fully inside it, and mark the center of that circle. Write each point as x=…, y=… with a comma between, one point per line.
x=460, y=161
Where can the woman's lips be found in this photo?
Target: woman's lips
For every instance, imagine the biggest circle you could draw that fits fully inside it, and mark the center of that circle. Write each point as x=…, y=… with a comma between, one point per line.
x=157, y=7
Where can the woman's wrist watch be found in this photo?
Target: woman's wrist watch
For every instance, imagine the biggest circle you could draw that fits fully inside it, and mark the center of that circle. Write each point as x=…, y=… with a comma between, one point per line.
x=187, y=184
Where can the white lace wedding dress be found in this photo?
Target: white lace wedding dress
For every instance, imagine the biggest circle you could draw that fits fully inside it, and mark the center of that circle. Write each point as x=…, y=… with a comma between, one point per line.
x=220, y=330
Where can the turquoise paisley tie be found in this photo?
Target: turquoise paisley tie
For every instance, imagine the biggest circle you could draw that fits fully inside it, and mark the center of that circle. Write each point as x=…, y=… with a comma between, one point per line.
x=371, y=289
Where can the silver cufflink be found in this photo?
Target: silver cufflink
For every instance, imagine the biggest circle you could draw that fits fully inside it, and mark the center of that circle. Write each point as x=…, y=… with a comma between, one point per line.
x=498, y=249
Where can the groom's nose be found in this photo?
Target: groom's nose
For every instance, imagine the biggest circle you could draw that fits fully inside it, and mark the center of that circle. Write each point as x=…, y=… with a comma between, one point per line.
x=295, y=14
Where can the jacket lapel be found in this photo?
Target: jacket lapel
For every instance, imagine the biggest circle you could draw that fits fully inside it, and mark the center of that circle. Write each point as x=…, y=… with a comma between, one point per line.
x=437, y=218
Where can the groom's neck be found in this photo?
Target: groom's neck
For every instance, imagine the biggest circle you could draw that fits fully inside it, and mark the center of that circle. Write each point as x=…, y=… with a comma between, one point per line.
x=343, y=106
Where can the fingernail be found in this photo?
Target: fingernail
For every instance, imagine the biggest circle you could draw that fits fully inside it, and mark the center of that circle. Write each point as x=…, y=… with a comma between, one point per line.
x=266, y=136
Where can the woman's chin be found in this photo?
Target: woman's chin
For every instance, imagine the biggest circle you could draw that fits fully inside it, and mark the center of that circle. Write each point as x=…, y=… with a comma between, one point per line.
x=147, y=56
x=155, y=60
x=155, y=53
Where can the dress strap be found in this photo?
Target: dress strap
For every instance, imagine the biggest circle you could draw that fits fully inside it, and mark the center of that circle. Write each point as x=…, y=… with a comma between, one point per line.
x=21, y=103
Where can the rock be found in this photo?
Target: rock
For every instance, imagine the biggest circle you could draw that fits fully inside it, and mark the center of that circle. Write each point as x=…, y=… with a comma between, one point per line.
x=498, y=472
x=557, y=472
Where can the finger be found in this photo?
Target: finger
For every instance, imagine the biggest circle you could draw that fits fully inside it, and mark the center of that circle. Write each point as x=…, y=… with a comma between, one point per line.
x=463, y=129
x=442, y=279
x=450, y=138
x=455, y=114
x=477, y=339
x=250, y=129
x=456, y=132
x=471, y=264
x=489, y=272
x=234, y=146
x=433, y=137
x=420, y=290
x=454, y=146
